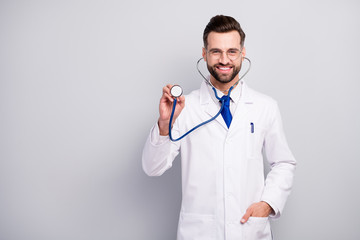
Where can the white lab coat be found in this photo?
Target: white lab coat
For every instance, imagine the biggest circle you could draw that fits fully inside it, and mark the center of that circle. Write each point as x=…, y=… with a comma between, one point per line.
x=222, y=169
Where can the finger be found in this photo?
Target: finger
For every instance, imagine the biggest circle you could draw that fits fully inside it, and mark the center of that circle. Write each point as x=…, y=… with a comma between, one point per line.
x=167, y=97
x=167, y=88
x=245, y=218
x=181, y=98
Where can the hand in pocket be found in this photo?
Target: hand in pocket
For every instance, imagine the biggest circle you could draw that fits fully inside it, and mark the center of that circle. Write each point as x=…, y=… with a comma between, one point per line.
x=259, y=209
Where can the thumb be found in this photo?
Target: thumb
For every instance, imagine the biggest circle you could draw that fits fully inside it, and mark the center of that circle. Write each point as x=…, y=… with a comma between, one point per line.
x=181, y=98
x=181, y=101
x=246, y=216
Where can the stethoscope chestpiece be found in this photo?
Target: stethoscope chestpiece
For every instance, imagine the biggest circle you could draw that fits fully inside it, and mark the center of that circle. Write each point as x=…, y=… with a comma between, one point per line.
x=176, y=91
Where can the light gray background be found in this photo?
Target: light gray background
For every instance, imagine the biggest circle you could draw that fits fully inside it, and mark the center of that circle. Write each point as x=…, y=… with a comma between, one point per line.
x=80, y=83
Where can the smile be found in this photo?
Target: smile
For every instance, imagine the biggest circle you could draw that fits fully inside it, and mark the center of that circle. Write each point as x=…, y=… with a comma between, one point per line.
x=224, y=69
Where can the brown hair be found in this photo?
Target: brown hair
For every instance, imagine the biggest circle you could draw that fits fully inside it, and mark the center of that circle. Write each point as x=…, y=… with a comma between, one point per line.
x=222, y=24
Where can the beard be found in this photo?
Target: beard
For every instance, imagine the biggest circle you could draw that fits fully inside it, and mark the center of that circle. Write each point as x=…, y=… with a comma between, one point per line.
x=223, y=78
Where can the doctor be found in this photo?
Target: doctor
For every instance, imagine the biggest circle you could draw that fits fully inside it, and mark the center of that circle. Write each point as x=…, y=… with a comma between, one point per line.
x=225, y=195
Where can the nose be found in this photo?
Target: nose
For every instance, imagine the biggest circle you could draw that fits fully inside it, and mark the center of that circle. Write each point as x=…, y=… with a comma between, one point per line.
x=224, y=59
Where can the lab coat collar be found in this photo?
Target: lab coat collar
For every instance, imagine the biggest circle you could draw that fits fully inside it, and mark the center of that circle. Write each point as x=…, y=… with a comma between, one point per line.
x=246, y=94
x=244, y=104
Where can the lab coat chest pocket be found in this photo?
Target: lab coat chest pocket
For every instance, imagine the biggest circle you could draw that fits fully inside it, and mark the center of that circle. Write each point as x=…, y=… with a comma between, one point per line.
x=196, y=226
x=257, y=228
x=255, y=139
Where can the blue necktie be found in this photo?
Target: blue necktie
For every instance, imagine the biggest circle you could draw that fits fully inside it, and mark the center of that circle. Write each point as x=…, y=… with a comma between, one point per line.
x=225, y=113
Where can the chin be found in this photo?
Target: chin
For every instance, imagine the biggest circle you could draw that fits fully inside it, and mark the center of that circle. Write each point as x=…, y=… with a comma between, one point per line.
x=224, y=79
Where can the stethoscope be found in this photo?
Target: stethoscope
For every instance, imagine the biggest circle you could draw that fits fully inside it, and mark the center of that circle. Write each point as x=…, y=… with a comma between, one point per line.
x=176, y=91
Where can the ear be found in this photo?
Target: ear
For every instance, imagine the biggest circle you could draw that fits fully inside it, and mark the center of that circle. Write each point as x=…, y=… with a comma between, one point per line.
x=243, y=53
x=204, y=53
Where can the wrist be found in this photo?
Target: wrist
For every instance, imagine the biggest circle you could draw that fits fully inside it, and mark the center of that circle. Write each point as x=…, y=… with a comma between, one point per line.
x=163, y=127
x=268, y=207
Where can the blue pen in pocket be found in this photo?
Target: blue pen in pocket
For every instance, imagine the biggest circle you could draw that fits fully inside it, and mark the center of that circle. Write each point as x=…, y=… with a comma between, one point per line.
x=252, y=127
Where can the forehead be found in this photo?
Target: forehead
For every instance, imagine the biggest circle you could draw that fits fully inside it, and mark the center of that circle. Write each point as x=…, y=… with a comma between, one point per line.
x=223, y=40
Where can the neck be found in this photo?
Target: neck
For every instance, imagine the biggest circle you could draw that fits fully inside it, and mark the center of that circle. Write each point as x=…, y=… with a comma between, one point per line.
x=224, y=87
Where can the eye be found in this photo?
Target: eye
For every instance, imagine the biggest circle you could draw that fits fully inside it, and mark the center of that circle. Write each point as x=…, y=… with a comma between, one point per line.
x=215, y=51
x=233, y=52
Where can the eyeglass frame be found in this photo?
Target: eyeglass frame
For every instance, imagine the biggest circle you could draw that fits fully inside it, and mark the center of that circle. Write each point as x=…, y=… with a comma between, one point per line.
x=227, y=53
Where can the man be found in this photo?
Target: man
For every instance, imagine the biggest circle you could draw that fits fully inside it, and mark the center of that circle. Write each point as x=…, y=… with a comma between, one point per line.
x=224, y=194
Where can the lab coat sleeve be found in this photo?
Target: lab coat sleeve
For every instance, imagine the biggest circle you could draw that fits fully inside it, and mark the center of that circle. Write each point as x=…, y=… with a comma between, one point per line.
x=279, y=180
x=159, y=152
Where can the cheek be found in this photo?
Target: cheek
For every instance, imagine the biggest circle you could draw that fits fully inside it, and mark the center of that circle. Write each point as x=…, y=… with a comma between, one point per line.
x=210, y=63
x=238, y=64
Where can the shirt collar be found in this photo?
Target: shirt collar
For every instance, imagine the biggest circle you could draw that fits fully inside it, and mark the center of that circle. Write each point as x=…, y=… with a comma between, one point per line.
x=235, y=94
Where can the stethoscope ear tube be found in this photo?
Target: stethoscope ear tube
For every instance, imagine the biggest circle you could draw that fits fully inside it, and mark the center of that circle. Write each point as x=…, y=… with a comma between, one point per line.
x=207, y=80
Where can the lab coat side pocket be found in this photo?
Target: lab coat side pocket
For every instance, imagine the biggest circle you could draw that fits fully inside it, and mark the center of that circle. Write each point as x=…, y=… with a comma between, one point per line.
x=196, y=226
x=257, y=228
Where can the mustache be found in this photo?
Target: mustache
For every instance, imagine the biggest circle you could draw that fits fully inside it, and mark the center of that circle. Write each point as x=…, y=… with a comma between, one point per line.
x=223, y=65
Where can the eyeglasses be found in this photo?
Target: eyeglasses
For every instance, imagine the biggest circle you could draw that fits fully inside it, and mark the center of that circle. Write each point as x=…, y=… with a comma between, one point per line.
x=232, y=53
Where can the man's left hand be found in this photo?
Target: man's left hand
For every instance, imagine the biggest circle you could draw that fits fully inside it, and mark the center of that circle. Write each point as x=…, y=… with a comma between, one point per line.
x=260, y=209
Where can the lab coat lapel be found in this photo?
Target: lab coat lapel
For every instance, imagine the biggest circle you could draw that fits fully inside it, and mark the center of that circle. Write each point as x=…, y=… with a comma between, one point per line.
x=209, y=106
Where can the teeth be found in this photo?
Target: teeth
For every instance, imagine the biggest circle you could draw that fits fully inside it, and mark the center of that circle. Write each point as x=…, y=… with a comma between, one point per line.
x=222, y=68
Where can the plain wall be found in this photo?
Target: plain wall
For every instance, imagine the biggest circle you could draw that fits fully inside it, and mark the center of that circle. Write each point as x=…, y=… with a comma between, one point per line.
x=80, y=83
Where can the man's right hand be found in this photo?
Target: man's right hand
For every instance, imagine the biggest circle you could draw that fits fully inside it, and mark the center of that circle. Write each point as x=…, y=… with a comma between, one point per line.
x=165, y=108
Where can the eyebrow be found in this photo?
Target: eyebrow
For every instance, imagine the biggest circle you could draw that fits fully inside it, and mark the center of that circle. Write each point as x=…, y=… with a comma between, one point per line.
x=213, y=49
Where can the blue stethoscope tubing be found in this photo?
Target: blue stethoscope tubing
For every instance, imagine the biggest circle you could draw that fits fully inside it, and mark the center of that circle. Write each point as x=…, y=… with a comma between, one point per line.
x=199, y=125
x=221, y=100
